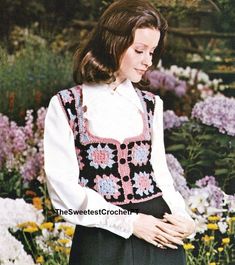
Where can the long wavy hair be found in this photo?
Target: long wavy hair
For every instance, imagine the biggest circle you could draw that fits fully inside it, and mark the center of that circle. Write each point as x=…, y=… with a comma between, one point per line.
x=99, y=58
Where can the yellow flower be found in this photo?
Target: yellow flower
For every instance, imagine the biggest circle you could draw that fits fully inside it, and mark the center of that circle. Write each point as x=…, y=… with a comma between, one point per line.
x=67, y=251
x=231, y=219
x=212, y=226
x=188, y=246
x=58, y=248
x=58, y=218
x=226, y=240
x=47, y=225
x=208, y=254
x=213, y=218
x=37, y=202
x=212, y=263
x=63, y=227
x=48, y=203
x=69, y=231
x=62, y=249
x=220, y=249
x=207, y=238
x=63, y=241
x=30, y=229
x=40, y=259
x=27, y=224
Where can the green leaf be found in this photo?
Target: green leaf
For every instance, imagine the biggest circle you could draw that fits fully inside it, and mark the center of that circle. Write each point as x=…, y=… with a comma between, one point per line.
x=175, y=147
x=221, y=171
x=205, y=137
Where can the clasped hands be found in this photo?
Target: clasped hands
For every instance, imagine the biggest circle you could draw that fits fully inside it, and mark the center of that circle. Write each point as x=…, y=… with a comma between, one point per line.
x=167, y=232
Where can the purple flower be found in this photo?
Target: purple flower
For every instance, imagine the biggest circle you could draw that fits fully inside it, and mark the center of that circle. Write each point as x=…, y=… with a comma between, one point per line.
x=171, y=120
x=161, y=80
x=22, y=146
x=216, y=194
x=206, y=181
x=177, y=173
x=218, y=111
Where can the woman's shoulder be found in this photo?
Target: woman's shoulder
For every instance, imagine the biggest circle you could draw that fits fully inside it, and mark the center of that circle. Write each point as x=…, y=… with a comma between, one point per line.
x=69, y=94
x=149, y=95
x=69, y=90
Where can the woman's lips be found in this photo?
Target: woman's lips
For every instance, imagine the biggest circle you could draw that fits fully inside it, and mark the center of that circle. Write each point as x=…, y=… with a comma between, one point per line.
x=141, y=72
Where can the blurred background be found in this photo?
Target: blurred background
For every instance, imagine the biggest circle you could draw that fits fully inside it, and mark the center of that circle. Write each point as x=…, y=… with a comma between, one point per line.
x=38, y=39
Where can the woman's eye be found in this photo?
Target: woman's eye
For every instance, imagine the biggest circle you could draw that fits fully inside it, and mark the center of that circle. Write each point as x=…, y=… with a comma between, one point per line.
x=139, y=52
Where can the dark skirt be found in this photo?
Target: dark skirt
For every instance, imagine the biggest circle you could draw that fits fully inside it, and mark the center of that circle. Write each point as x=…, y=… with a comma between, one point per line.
x=95, y=246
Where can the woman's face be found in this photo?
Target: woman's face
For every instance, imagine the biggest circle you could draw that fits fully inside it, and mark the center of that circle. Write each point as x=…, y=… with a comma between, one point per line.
x=138, y=57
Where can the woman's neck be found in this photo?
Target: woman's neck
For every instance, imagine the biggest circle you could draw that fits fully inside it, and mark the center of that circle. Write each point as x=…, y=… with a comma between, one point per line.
x=116, y=83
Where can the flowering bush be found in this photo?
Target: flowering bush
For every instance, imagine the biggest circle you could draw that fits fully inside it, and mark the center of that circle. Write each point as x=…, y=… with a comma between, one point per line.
x=38, y=240
x=182, y=88
x=48, y=243
x=18, y=211
x=178, y=80
x=171, y=120
x=218, y=111
x=12, y=251
x=21, y=157
x=203, y=149
x=214, y=214
x=15, y=212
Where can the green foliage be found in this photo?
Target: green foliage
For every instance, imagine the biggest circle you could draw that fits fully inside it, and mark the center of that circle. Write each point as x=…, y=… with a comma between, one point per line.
x=31, y=79
x=11, y=185
x=226, y=16
x=202, y=151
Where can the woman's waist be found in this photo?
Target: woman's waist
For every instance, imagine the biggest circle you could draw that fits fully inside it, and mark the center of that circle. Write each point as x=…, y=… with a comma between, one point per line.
x=156, y=207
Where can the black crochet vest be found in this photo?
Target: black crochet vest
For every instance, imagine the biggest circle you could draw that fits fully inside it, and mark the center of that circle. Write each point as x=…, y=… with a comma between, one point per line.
x=120, y=172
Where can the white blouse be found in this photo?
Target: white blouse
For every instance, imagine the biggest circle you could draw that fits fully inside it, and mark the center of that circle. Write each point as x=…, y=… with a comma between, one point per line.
x=111, y=114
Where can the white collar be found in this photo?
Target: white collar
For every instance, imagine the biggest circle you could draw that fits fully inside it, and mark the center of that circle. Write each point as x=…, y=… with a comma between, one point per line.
x=125, y=89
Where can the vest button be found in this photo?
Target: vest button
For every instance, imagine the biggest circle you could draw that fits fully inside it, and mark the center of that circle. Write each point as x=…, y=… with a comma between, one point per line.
x=125, y=178
x=129, y=196
x=122, y=160
x=123, y=146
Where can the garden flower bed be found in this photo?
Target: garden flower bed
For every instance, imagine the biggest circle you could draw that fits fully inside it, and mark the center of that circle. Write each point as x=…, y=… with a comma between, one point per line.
x=200, y=156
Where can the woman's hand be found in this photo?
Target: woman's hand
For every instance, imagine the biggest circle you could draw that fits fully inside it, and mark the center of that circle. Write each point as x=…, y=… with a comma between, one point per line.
x=184, y=226
x=157, y=232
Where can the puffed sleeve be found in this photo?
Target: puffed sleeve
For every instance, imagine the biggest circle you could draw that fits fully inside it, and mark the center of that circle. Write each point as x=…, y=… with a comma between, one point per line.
x=158, y=160
x=62, y=173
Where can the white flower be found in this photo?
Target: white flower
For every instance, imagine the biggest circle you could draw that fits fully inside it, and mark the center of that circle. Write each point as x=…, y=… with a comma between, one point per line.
x=203, y=77
x=200, y=87
x=12, y=251
x=222, y=226
x=198, y=200
x=18, y=211
x=200, y=222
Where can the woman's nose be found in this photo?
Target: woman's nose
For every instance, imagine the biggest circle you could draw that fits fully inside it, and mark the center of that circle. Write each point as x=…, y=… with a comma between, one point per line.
x=147, y=60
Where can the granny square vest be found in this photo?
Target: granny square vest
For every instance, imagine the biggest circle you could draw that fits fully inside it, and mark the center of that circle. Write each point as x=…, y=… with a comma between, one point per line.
x=120, y=172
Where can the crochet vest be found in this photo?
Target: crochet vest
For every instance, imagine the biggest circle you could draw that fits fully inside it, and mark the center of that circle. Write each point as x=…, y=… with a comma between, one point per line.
x=120, y=172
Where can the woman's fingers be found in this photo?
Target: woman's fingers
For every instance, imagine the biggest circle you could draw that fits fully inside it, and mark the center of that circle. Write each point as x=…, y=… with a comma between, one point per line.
x=167, y=235
x=183, y=225
x=156, y=232
x=171, y=229
x=174, y=219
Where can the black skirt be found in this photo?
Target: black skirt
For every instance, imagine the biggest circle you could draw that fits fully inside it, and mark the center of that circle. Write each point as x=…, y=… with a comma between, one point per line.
x=95, y=246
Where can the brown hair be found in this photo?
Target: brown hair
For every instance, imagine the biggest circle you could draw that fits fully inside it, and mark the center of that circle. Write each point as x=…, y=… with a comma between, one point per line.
x=99, y=58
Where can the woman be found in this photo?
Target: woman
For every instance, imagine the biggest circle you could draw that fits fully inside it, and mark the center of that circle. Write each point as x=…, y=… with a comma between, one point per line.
x=104, y=148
